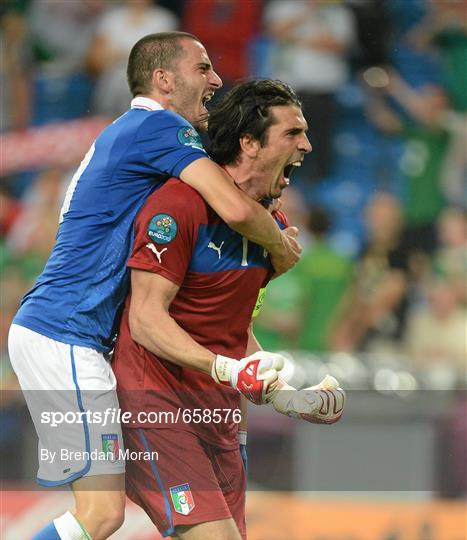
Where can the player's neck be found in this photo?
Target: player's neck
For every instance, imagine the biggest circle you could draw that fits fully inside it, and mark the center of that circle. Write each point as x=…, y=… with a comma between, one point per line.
x=243, y=177
x=162, y=99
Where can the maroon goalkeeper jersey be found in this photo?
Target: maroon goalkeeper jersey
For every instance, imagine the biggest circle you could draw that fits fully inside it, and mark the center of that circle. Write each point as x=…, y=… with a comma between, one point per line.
x=221, y=276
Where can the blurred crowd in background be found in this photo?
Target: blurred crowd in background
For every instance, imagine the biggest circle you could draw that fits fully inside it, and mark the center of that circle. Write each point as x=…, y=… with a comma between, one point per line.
x=380, y=202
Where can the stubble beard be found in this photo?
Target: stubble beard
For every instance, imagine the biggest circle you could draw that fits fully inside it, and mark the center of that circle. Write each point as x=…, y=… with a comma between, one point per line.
x=183, y=101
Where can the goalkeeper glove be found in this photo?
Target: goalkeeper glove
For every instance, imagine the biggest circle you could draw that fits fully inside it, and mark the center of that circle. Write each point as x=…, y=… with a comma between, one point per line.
x=320, y=404
x=255, y=376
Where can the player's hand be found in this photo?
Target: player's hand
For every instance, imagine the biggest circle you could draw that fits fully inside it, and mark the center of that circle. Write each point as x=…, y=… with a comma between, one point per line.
x=255, y=376
x=320, y=404
x=290, y=253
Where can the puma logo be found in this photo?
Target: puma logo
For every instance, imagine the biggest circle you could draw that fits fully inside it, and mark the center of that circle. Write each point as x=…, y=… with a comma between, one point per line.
x=213, y=246
x=153, y=248
x=250, y=370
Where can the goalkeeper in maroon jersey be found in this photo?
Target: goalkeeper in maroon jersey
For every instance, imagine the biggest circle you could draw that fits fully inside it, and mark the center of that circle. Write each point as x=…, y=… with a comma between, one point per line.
x=186, y=347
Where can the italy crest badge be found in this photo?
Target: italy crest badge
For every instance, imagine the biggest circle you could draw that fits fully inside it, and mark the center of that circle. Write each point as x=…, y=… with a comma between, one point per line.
x=182, y=499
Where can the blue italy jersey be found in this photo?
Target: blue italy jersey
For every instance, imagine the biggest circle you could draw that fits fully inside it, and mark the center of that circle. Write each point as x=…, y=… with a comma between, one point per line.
x=77, y=297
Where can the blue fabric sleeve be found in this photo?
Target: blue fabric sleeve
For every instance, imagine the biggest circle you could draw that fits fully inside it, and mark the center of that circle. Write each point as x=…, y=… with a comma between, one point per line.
x=169, y=143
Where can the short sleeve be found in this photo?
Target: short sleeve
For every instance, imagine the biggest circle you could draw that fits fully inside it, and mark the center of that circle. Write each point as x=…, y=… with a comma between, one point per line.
x=169, y=143
x=166, y=229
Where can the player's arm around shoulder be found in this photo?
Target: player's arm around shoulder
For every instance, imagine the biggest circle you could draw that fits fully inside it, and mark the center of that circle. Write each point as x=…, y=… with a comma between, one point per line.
x=220, y=192
x=240, y=212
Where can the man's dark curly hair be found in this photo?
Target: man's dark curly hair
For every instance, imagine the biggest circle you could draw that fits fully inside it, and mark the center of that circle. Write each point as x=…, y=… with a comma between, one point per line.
x=245, y=110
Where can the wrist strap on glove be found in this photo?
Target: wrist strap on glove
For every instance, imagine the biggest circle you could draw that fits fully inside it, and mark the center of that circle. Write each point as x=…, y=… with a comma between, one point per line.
x=221, y=370
x=254, y=376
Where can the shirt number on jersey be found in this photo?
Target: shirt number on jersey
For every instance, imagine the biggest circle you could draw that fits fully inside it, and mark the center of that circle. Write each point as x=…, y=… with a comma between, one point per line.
x=74, y=181
x=244, y=252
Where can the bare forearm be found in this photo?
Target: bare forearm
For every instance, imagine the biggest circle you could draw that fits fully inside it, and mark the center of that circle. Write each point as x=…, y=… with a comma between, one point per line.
x=235, y=207
x=260, y=228
x=161, y=335
x=424, y=106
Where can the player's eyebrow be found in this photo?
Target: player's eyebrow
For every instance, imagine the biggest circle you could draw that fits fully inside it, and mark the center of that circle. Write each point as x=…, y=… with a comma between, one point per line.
x=296, y=130
x=204, y=65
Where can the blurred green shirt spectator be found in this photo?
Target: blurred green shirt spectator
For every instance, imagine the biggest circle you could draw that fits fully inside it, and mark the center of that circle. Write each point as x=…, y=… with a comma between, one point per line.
x=323, y=276
x=425, y=151
x=277, y=323
x=300, y=306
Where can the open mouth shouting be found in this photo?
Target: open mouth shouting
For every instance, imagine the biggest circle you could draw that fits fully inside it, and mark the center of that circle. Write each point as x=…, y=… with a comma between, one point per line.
x=205, y=99
x=288, y=169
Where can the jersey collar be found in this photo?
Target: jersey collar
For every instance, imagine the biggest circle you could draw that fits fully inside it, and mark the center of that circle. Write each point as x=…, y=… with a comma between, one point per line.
x=146, y=103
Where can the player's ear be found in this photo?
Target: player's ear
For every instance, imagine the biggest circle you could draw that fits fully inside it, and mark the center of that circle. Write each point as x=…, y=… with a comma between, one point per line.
x=250, y=146
x=162, y=81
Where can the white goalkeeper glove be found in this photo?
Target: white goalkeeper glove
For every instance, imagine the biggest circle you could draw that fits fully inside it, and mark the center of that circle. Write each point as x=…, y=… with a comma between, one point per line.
x=320, y=404
x=255, y=376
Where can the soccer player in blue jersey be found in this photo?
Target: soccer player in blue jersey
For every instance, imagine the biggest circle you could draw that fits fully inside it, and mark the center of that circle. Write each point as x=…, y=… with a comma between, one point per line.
x=66, y=324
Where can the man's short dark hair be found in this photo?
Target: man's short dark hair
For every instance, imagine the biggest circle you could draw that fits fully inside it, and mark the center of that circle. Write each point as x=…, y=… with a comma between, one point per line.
x=162, y=50
x=245, y=110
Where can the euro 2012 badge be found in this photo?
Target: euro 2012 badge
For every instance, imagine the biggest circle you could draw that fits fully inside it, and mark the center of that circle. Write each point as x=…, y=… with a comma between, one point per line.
x=182, y=499
x=162, y=229
x=188, y=136
x=110, y=446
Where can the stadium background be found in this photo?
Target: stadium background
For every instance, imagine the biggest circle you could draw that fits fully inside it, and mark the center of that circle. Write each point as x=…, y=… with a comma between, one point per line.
x=379, y=298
